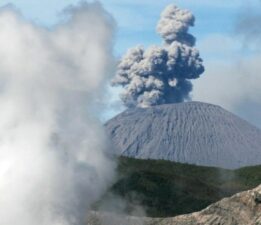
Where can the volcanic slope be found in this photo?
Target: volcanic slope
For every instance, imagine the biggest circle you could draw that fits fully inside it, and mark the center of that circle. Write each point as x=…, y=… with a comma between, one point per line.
x=193, y=132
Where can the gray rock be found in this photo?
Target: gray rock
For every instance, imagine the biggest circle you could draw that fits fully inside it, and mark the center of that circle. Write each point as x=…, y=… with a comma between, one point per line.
x=193, y=132
x=257, y=197
x=240, y=209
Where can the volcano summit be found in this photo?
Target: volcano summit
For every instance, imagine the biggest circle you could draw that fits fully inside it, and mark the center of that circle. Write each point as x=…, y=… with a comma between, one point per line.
x=192, y=132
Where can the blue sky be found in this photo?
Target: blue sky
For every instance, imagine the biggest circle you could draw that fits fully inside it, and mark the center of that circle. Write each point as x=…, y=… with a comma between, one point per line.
x=137, y=18
x=222, y=50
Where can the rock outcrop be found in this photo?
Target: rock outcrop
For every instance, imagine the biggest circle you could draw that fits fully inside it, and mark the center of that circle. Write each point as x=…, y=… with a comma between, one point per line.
x=241, y=209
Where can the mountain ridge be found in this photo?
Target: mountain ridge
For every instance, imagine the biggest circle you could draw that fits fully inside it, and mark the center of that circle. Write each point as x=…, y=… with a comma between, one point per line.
x=167, y=189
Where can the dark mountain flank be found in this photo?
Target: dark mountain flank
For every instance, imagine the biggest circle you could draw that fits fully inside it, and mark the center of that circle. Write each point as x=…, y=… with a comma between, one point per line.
x=165, y=189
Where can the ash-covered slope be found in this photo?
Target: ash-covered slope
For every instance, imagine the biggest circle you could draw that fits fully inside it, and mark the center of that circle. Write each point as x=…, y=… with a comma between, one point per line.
x=193, y=132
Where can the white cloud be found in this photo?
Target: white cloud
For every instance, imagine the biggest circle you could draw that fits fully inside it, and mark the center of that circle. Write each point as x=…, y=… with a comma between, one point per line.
x=232, y=79
x=52, y=159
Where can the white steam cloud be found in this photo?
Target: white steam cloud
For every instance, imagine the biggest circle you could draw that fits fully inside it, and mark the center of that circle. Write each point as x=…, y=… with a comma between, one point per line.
x=161, y=74
x=52, y=160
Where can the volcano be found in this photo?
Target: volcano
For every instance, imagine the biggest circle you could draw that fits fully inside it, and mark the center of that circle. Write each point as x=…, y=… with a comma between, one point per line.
x=192, y=132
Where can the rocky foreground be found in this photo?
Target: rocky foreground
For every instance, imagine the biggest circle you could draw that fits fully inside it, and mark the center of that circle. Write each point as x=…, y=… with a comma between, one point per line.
x=241, y=209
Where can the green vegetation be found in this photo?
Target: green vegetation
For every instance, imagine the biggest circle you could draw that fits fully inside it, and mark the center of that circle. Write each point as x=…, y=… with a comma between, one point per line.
x=165, y=188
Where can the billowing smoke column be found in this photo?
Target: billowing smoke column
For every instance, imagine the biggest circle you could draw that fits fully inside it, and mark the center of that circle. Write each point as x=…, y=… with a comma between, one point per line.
x=52, y=160
x=161, y=74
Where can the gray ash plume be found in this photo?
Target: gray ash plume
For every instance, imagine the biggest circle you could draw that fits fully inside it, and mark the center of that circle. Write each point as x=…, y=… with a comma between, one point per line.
x=161, y=74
